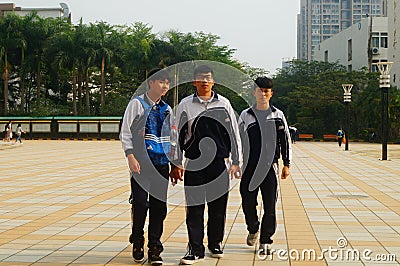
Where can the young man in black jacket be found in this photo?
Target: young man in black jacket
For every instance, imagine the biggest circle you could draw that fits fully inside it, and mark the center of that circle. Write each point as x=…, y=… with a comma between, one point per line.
x=265, y=136
x=209, y=135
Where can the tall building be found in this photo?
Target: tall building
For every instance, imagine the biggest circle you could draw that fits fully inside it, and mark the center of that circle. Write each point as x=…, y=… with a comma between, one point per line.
x=394, y=40
x=320, y=19
x=363, y=45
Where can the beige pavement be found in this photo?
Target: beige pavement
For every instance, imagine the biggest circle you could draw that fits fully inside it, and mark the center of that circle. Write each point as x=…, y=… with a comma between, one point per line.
x=65, y=202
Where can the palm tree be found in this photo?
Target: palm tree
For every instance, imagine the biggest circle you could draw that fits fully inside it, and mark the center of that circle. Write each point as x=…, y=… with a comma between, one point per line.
x=66, y=49
x=138, y=49
x=87, y=57
x=104, y=53
x=12, y=39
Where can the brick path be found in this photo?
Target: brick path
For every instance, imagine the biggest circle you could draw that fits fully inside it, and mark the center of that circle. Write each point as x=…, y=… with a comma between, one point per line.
x=65, y=202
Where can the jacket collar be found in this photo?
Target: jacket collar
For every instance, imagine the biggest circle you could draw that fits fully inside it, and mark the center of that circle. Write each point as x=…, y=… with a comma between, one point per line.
x=252, y=108
x=197, y=99
x=151, y=103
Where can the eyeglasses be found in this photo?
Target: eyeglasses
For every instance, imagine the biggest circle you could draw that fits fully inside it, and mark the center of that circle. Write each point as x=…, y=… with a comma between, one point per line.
x=204, y=77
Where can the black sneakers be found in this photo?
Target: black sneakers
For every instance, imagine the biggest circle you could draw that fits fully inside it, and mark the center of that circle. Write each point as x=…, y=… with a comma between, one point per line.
x=252, y=238
x=190, y=258
x=216, y=252
x=154, y=256
x=138, y=251
x=264, y=249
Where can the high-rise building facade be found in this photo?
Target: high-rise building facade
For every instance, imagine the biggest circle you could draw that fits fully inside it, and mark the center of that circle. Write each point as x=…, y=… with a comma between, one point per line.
x=394, y=40
x=321, y=19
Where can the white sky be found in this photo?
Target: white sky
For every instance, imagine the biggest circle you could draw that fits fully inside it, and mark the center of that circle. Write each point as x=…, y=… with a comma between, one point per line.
x=262, y=31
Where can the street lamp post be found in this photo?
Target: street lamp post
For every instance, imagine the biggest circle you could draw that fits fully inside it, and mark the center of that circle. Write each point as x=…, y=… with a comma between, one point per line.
x=347, y=99
x=384, y=84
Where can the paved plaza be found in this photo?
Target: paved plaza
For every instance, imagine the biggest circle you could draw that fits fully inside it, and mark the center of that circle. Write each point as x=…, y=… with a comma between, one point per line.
x=66, y=202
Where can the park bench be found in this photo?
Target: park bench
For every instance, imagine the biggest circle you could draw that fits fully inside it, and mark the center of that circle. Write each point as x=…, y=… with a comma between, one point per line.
x=306, y=136
x=330, y=137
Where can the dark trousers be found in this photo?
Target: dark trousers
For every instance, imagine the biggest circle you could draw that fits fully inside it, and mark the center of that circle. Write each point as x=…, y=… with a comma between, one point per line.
x=340, y=140
x=268, y=188
x=149, y=192
x=209, y=185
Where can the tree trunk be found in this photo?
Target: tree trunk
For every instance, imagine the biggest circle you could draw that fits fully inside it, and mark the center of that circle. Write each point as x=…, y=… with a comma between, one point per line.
x=87, y=94
x=103, y=85
x=38, y=81
x=5, y=78
x=75, y=112
x=22, y=83
x=79, y=93
x=22, y=95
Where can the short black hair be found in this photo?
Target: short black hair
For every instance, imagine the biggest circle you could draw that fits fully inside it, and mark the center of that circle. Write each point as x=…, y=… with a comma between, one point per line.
x=201, y=69
x=263, y=82
x=158, y=74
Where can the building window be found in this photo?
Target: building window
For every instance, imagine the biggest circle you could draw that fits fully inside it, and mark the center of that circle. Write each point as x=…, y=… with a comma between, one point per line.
x=384, y=40
x=349, y=50
x=326, y=56
x=375, y=39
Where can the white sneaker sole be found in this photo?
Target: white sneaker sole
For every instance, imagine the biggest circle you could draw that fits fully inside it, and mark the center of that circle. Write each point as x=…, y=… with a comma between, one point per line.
x=190, y=262
x=156, y=262
x=138, y=261
x=218, y=256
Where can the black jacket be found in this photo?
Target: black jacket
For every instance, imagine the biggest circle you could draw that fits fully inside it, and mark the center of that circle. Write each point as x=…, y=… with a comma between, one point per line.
x=264, y=139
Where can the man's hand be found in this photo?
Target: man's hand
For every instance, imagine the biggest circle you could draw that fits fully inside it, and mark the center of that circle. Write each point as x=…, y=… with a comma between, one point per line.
x=285, y=172
x=235, y=172
x=176, y=173
x=133, y=164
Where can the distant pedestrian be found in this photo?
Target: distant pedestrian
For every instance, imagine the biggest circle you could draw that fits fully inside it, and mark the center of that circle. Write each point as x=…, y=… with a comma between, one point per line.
x=373, y=137
x=18, y=133
x=8, y=131
x=340, y=136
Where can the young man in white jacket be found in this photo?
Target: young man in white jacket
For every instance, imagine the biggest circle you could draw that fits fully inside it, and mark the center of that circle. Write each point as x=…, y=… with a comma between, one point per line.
x=146, y=151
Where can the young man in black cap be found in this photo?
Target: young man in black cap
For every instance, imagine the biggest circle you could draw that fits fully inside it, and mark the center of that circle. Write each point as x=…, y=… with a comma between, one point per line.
x=265, y=136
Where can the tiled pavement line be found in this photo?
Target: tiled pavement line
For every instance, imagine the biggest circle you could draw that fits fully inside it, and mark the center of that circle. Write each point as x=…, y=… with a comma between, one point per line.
x=377, y=195
x=299, y=231
x=19, y=231
x=377, y=163
x=88, y=255
x=235, y=248
x=125, y=257
x=64, y=213
x=388, y=201
x=25, y=230
x=322, y=214
x=56, y=184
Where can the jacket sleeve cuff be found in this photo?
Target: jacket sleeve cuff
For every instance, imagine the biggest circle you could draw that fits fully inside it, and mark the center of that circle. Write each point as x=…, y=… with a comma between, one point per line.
x=129, y=151
x=177, y=162
x=286, y=163
x=235, y=162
